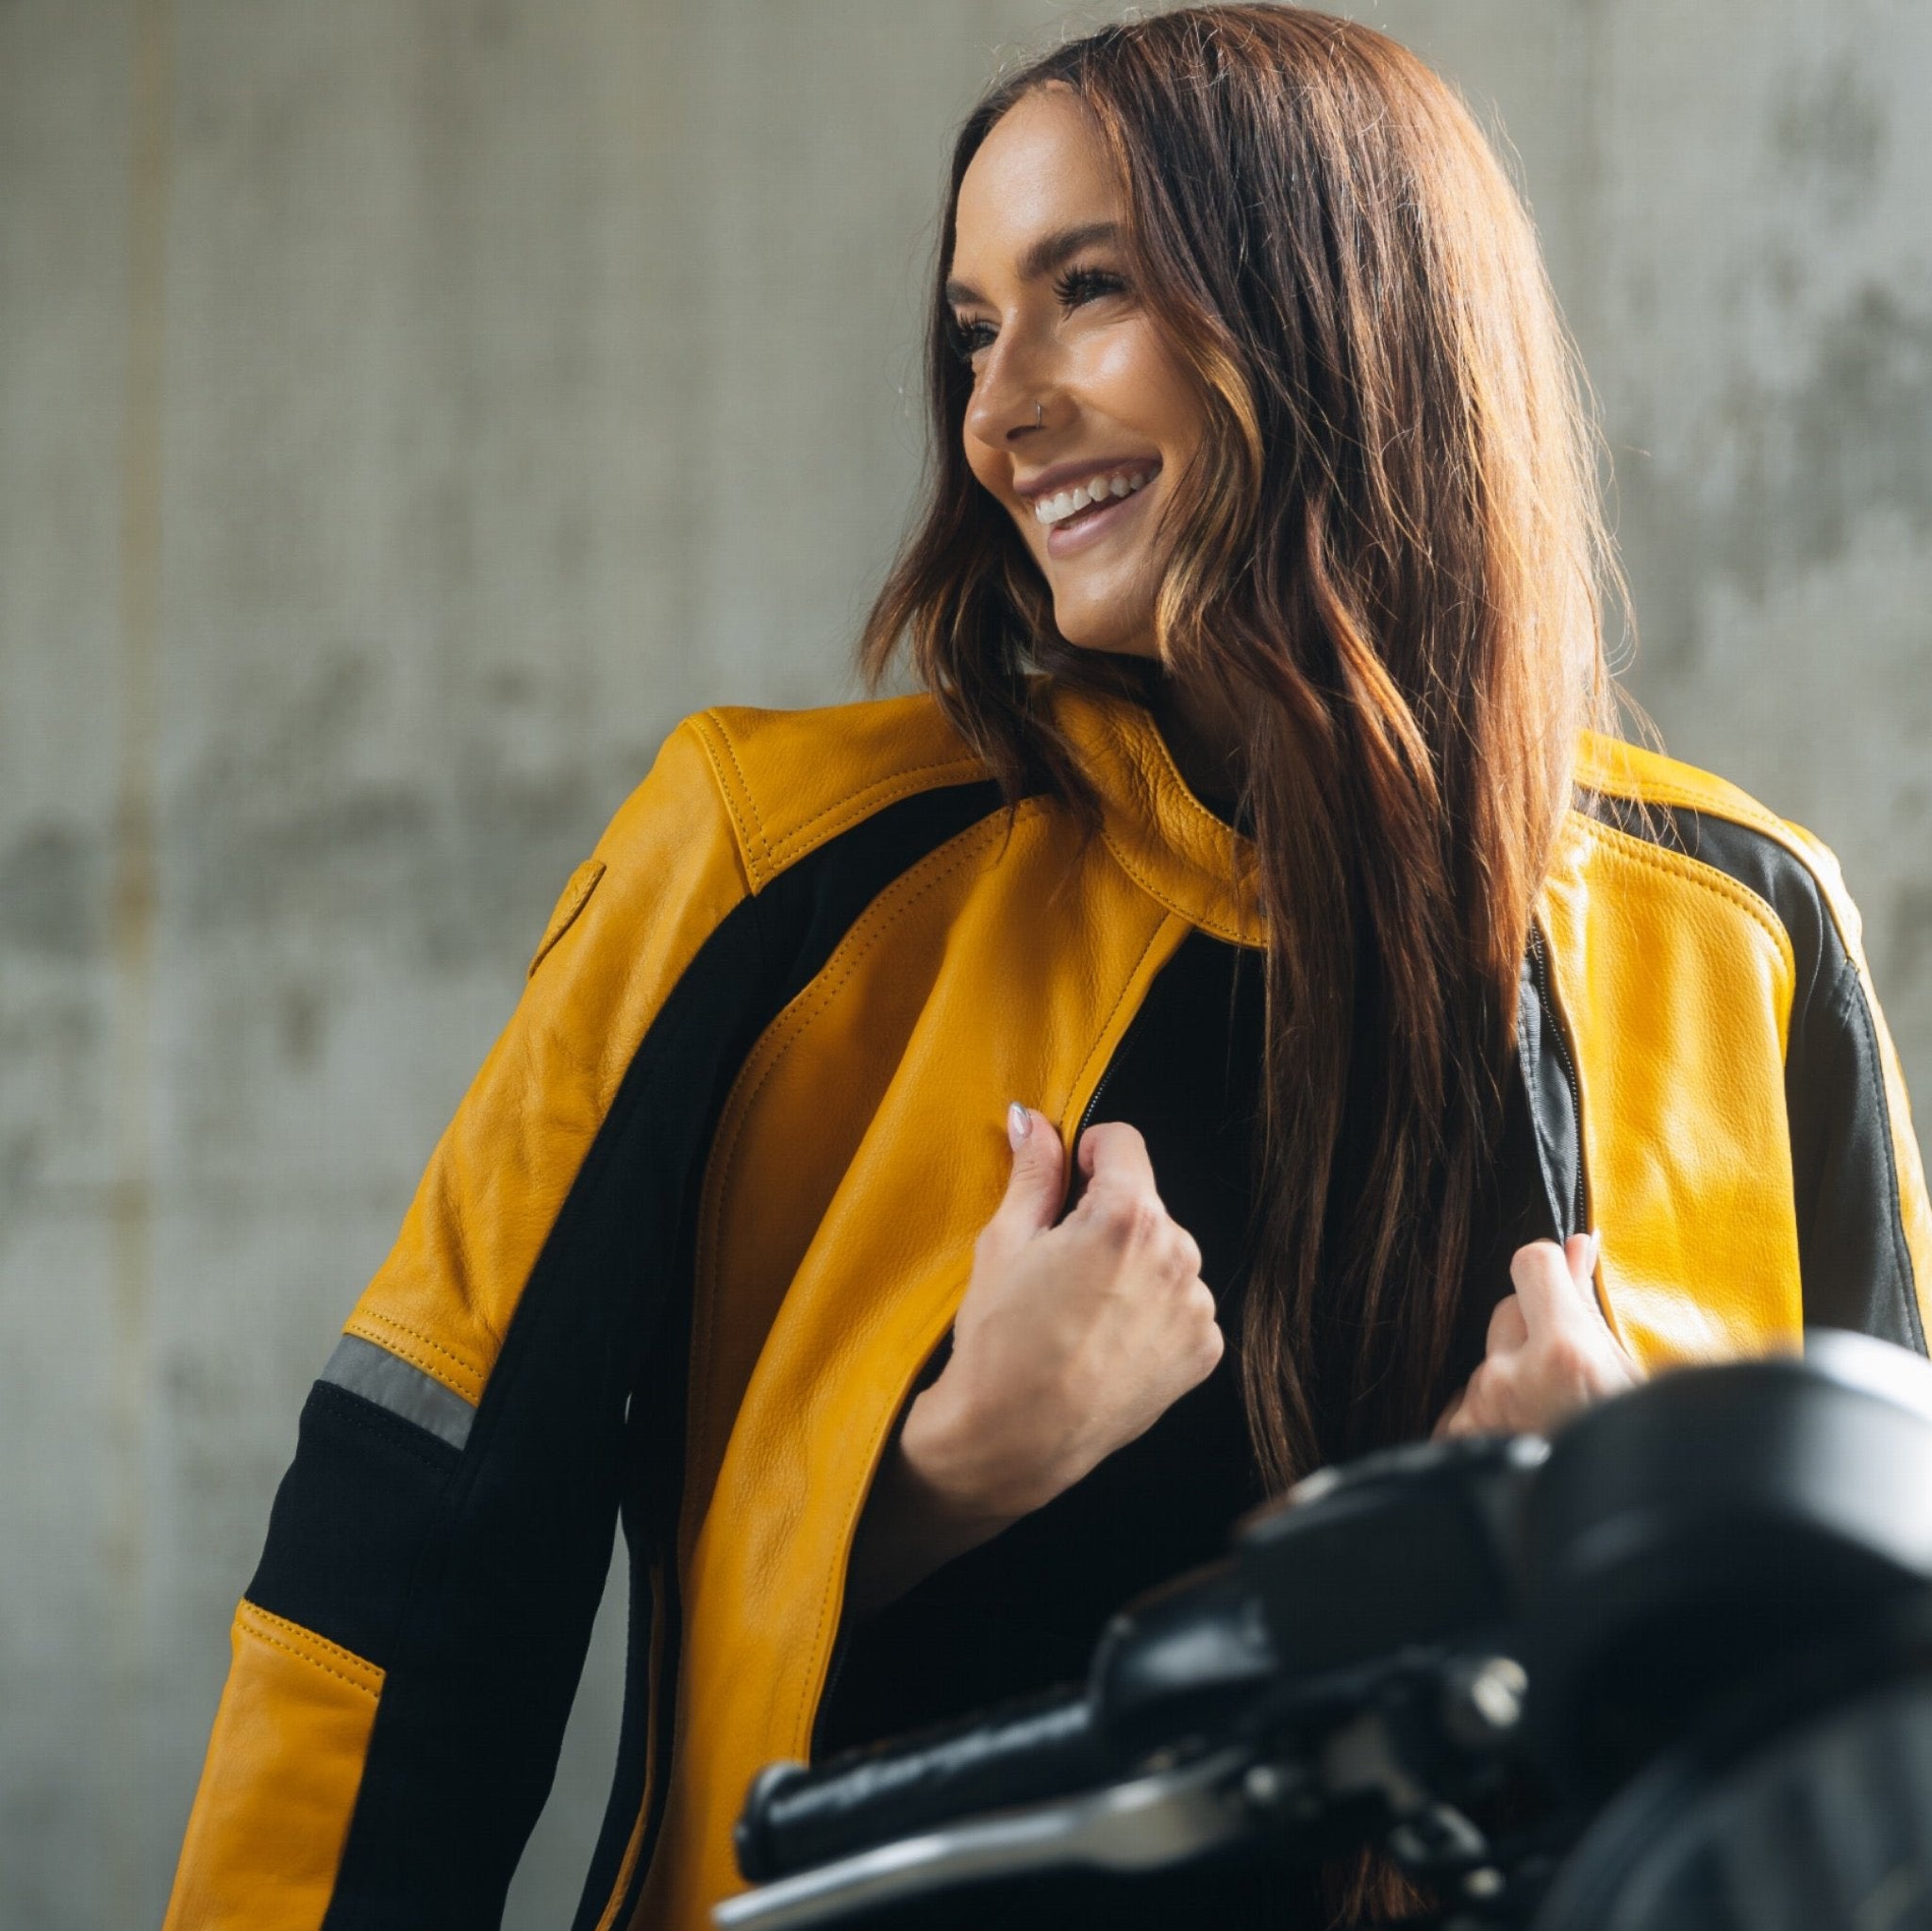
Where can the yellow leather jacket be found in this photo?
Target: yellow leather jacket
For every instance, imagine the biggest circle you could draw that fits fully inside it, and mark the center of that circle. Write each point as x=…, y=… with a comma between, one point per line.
x=709, y=1205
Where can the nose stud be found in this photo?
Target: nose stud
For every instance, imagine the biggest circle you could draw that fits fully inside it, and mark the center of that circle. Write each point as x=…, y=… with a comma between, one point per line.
x=1039, y=415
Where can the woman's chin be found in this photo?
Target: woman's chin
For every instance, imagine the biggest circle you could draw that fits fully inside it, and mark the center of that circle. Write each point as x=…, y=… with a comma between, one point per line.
x=1104, y=638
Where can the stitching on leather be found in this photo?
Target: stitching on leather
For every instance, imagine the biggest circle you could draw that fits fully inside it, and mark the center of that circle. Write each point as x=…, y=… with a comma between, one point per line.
x=746, y=843
x=389, y=1322
x=784, y=1033
x=881, y=791
x=1220, y=928
x=751, y=803
x=1113, y=1011
x=1739, y=807
x=250, y=1614
x=1164, y=777
x=855, y=1501
x=1696, y=872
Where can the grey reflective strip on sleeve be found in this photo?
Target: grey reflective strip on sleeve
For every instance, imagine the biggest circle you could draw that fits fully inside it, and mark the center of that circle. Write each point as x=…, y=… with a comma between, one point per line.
x=390, y=1383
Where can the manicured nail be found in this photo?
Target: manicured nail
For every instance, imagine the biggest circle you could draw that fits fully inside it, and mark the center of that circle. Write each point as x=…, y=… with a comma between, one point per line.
x=1592, y=1252
x=1019, y=1124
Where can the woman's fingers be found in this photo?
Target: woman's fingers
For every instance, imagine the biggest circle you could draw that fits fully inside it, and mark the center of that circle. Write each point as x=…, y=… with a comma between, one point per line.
x=1509, y=1330
x=1112, y=1155
x=1580, y=1252
x=1445, y=1422
x=1551, y=1287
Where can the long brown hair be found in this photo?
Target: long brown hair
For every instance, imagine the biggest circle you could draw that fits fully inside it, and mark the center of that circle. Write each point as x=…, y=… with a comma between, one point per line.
x=1390, y=556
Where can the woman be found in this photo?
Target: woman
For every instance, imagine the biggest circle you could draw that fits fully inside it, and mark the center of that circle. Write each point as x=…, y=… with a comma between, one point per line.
x=1252, y=815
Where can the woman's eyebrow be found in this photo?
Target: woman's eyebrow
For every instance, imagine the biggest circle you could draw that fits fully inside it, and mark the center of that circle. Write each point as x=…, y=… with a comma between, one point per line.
x=1046, y=255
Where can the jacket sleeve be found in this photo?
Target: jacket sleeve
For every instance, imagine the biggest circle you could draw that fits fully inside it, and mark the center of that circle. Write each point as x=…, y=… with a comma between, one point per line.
x=1864, y=1225
x=405, y=1657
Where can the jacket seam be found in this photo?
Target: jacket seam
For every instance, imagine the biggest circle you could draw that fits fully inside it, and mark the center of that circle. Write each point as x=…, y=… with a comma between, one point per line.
x=1209, y=921
x=1696, y=872
x=791, y=1025
x=855, y=1508
x=752, y=841
x=877, y=1441
x=251, y=1613
x=875, y=796
x=1127, y=986
x=1741, y=810
x=375, y=1318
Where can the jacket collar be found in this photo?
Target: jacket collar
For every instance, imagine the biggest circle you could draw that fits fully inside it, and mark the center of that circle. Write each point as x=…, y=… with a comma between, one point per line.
x=1163, y=836
x=1189, y=860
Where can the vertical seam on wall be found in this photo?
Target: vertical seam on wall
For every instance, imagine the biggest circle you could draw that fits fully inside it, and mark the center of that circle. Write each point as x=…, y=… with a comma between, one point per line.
x=151, y=107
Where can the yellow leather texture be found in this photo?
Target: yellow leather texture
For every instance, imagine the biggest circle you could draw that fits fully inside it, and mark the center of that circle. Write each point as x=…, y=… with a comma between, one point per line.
x=1628, y=771
x=445, y=1297
x=1675, y=985
x=284, y=1764
x=833, y=1256
x=793, y=780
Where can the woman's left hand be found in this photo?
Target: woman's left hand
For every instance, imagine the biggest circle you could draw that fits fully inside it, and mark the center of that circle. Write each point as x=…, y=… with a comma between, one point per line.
x=1550, y=1355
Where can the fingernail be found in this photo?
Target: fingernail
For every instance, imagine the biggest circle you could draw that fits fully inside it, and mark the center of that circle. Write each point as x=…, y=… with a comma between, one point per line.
x=1019, y=1124
x=1592, y=1252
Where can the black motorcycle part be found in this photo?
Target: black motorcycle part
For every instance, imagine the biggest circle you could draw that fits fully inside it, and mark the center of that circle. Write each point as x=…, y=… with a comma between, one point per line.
x=1806, y=1806
x=797, y=1817
x=1690, y=1534
x=1411, y=1547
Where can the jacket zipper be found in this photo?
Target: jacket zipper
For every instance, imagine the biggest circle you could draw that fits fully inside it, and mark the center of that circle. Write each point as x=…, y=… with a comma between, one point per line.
x=1553, y=1025
x=842, y=1642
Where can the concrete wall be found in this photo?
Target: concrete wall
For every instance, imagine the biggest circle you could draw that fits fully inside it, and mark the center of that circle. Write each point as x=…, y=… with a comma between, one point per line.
x=408, y=408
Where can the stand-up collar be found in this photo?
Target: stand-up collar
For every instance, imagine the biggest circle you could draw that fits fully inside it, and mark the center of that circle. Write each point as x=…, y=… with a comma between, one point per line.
x=1163, y=837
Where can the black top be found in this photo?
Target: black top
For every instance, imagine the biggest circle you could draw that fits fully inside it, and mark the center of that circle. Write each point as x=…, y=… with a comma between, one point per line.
x=1021, y=1613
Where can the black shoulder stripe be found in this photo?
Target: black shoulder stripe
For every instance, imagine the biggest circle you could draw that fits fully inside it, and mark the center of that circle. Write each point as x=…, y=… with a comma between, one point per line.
x=1751, y=860
x=470, y=1569
x=807, y=910
x=1856, y=1266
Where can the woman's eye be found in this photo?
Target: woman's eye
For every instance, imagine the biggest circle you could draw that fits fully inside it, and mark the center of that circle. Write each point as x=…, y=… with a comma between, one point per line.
x=1078, y=285
x=968, y=338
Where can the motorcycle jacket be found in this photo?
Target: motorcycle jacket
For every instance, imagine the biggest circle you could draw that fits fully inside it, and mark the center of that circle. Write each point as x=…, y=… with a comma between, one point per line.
x=703, y=1219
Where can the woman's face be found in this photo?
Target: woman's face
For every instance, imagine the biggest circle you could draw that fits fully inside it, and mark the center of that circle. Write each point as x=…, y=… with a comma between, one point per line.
x=1080, y=417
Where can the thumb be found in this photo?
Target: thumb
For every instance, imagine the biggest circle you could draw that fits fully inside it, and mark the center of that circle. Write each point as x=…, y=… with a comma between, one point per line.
x=1038, y=1181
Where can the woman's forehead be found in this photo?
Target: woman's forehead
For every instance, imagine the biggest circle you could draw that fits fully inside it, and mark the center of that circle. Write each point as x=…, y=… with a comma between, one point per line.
x=1042, y=169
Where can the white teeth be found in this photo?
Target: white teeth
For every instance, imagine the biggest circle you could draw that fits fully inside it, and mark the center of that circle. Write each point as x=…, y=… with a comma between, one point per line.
x=1052, y=510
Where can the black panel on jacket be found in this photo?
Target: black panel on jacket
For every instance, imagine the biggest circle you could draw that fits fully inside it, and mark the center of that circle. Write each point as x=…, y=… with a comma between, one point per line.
x=1852, y=1260
x=348, y=1518
x=472, y=1577
x=803, y=915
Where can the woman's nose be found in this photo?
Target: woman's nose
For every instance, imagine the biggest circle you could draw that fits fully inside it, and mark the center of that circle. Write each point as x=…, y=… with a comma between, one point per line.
x=1013, y=384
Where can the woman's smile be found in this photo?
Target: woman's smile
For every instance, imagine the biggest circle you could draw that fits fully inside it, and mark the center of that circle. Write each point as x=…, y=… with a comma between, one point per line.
x=1079, y=503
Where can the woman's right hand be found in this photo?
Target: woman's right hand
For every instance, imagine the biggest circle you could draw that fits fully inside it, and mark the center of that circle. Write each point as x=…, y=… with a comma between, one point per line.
x=1071, y=1339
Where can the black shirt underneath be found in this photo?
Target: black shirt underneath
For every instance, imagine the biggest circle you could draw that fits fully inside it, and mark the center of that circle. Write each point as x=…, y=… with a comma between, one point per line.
x=1020, y=1613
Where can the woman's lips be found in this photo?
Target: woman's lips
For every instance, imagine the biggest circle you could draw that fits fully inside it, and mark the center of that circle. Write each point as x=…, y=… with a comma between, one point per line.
x=1088, y=526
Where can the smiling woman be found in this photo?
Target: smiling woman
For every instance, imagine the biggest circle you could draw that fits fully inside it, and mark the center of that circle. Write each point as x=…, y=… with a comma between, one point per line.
x=956, y=1153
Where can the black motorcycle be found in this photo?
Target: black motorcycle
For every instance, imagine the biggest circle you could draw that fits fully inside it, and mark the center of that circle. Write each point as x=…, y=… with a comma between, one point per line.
x=1670, y=1671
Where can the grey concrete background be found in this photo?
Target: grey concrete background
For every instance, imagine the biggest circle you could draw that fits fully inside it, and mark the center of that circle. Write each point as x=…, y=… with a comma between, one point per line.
x=409, y=408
